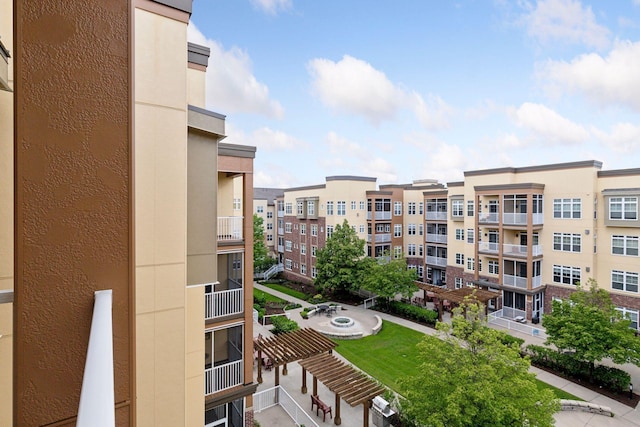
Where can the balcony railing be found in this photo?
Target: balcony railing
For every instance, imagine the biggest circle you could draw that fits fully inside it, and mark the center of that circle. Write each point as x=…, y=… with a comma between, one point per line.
x=436, y=238
x=230, y=228
x=436, y=216
x=379, y=238
x=491, y=247
x=382, y=215
x=223, y=377
x=521, y=282
x=433, y=260
x=520, y=250
x=223, y=303
x=280, y=214
x=488, y=217
x=514, y=218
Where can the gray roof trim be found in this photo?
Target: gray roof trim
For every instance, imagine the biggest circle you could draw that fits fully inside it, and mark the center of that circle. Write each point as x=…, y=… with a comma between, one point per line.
x=269, y=194
x=516, y=186
x=350, y=178
x=235, y=150
x=619, y=172
x=198, y=54
x=205, y=121
x=456, y=196
x=308, y=187
x=206, y=112
x=620, y=191
x=431, y=194
x=538, y=168
x=379, y=193
x=455, y=184
x=182, y=5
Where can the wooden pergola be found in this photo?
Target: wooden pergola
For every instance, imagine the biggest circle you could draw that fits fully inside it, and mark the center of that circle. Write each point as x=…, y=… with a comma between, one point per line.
x=290, y=347
x=345, y=381
x=458, y=296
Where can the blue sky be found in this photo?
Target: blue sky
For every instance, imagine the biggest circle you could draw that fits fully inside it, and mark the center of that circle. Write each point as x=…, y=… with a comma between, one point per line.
x=405, y=89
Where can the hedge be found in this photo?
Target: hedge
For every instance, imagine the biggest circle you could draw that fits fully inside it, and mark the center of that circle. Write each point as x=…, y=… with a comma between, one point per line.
x=413, y=312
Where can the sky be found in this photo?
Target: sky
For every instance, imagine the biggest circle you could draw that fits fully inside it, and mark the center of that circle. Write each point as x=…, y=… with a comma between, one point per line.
x=405, y=90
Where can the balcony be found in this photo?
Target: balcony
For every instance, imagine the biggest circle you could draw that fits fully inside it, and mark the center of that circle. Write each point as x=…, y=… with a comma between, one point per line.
x=520, y=250
x=436, y=238
x=223, y=376
x=515, y=218
x=280, y=214
x=379, y=238
x=521, y=282
x=433, y=260
x=488, y=217
x=380, y=216
x=436, y=216
x=230, y=228
x=223, y=303
x=488, y=247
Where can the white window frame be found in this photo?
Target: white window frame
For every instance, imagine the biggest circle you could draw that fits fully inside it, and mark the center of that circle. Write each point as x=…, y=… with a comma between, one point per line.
x=567, y=242
x=397, y=230
x=314, y=229
x=459, y=259
x=288, y=245
x=471, y=235
x=411, y=249
x=631, y=314
x=471, y=263
x=411, y=229
x=572, y=274
x=624, y=202
x=494, y=267
x=288, y=208
x=397, y=208
x=628, y=281
x=460, y=234
x=457, y=208
x=287, y=227
x=329, y=208
x=568, y=208
x=341, y=208
x=628, y=245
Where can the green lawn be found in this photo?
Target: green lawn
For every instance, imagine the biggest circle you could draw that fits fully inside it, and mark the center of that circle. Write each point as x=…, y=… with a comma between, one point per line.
x=268, y=297
x=392, y=354
x=285, y=290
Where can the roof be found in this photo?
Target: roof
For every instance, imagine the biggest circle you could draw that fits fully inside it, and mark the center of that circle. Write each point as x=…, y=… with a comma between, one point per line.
x=294, y=345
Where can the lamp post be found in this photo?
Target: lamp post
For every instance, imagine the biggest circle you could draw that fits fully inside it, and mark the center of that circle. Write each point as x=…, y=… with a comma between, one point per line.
x=630, y=391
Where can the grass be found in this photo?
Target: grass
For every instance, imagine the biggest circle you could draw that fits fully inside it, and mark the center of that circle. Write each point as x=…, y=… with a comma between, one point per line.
x=392, y=354
x=267, y=296
x=286, y=290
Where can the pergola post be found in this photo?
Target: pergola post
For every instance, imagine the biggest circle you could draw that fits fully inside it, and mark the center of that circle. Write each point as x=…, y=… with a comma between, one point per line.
x=284, y=369
x=315, y=385
x=277, y=368
x=439, y=309
x=365, y=414
x=304, y=381
x=259, y=366
x=337, y=420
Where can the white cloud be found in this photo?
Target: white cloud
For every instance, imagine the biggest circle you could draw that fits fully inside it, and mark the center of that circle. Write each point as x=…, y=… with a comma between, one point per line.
x=606, y=80
x=354, y=86
x=545, y=123
x=263, y=138
x=230, y=85
x=623, y=138
x=272, y=7
x=566, y=21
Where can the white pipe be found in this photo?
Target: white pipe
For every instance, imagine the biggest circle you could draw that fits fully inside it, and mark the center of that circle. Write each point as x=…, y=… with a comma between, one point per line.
x=97, y=401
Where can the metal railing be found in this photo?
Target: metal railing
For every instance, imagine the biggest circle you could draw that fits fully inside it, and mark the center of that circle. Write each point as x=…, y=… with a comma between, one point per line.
x=436, y=238
x=382, y=215
x=230, y=228
x=272, y=271
x=492, y=247
x=521, y=282
x=505, y=320
x=488, y=217
x=223, y=303
x=379, y=238
x=520, y=250
x=442, y=262
x=278, y=396
x=437, y=216
x=223, y=377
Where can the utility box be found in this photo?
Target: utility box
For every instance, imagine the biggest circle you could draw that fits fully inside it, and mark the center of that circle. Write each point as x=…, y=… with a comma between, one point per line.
x=382, y=412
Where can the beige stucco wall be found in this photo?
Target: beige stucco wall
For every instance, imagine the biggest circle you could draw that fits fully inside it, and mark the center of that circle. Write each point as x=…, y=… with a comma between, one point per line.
x=194, y=388
x=196, y=87
x=160, y=218
x=226, y=191
x=6, y=222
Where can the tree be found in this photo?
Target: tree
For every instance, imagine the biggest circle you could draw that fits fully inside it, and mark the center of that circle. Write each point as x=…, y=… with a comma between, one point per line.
x=261, y=259
x=470, y=378
x=389, y=278
x=339, y=264
x=589, y=325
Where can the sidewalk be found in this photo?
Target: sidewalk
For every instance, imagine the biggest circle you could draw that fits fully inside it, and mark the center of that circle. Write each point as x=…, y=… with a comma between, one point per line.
x=624, y=415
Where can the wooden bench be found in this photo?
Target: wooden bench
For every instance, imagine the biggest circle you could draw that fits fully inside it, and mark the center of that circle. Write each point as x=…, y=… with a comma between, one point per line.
x=320, y=405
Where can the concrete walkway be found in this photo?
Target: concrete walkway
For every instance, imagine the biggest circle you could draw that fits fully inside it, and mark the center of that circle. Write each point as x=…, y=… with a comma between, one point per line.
x=625, y=416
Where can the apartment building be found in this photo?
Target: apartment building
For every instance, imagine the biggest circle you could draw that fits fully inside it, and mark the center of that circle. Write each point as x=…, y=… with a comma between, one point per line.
x=529, y=234
x=264, y=205
x=121, y=183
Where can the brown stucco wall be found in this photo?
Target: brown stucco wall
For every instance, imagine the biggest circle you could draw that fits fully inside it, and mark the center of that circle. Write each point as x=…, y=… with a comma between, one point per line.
x=73, y=200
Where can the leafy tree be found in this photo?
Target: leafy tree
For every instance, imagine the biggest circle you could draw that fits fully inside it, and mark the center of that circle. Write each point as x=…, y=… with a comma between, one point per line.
x=470, y=378
x=588, y=325
x=388, y=278
x=340, y=264
x=261, y=259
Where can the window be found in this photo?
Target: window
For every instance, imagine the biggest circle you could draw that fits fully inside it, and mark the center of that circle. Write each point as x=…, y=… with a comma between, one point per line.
x=329, y=208
x=287, y=227
x=458, y=282
x=269, y=215
x=269, y=226
x=471, y=264
x=329, y=230
x=411, y=208
x=411, y=229
x=353, y=227
x=623, y=208
x=287, y=245
x=280, y=206
x=287, y=264
x=236, y=206
x=300, y=207
x=470, y=208
x=397, y=252
x=470, y=235
x=353, y=205
x=460, y=259
x=421, y=229
x=314, y=250
x=314, y=272
x=314, y=229
x=269, y=237
x=342, y=208
x=420, y=208
x=630, y=314
x=457, y=208
x=303, y=249
x=362, y=205
x=624, y=245
x=493, y=267
x=567, y=242
x=624, y=281
x=288, y=208
x=303, y=229
x=479, y=265
x=420, y=250
x=311, y=208
x=397, y=208
x=295, y=226
x=362, y=228
x=397, y=230
x=303, y=269
x=411, y=249
x=420, y=272
x=459, y=233
x=567, y=208
x=566, y=275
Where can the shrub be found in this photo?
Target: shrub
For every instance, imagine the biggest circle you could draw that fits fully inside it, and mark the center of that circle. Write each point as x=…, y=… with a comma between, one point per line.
x=282, y=325
x=412, y=312
x=509, y=340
